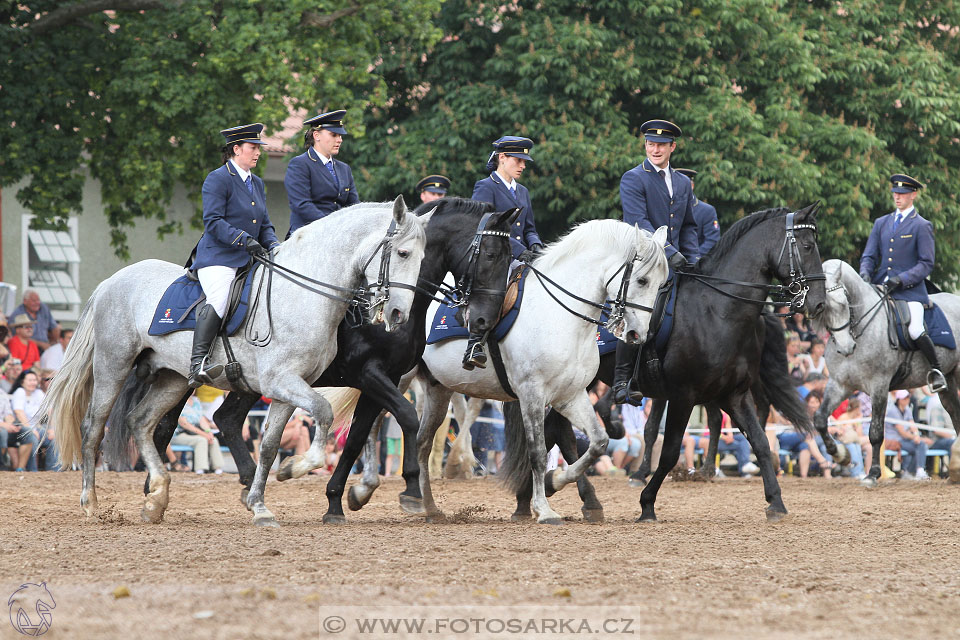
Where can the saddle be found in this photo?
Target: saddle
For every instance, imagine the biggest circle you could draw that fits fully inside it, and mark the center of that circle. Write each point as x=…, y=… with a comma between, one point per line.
x=177, y=308
x=898, y=319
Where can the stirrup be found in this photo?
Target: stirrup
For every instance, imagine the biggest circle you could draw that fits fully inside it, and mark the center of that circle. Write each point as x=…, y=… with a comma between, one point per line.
x=475, y=357
x=622, y=394
x=936, y=380
x=203, y=375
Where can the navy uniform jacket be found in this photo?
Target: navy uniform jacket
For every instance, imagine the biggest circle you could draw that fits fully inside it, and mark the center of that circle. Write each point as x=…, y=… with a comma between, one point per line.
x=311, y=191
x=708, y=227
x=492, y=190
x=230, y=215
x=907, y=252
x=647, y=203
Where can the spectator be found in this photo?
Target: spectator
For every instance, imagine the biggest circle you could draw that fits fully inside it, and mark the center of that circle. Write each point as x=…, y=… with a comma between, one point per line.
x=626, y=450
x=941, y=426
x=12, y=369
x=44, y=330
x=818, y=450
x=394, y=446
x=913, y=448
x=814, y=362
x=210, y=399
x=794, y=359
x=52, y=358
x=194, y=430
x=849, y=430
x=730, y=442
x=17, y=440
x=296, y=433
x=813, y=382
x=25, y=403
x=20, y=345
x=798, y=324
x=4, y=336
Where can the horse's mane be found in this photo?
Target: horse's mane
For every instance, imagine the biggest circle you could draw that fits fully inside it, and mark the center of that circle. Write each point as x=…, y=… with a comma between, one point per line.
x=586, y=236
x=363, y=208
x=734, y=234
x=456, y=205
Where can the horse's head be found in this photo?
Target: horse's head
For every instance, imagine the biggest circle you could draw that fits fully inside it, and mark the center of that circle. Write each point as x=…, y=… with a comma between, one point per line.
x=633, y=286
x=799, y=261
x=484, y=273
x=391, y=271
x=836, y=313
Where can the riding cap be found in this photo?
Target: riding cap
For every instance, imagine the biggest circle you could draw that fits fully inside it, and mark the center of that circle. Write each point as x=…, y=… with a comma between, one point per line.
x=244, y=133
x=690, y=173
x=903, y=183
x=512, y=146
x=660, y=131
x=433, y=184
x=332, y=121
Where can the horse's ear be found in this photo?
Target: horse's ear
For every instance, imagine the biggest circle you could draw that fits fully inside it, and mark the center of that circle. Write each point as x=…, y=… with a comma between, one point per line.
x=509, y=216
x=425, y=218
x=660, y=236
x=811, y=210
x=399, y=209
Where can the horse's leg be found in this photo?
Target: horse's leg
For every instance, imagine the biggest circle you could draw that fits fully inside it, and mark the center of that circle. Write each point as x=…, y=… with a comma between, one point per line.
x=878, y=401
x=579, y=411
x=436, y=398
x=742, y=413
x=677, y=418
x=532, y=407
x=102, y=398
x=360, y=493
x=833, y=395
x=951, y=403
x=562, y=434
x=714, y=424
x=229, y=418
x=163, y=433
x=167, y=390
x=650, y=432
x=439, y=442
x=277, y=417
x=363, y=418
x=461, y=462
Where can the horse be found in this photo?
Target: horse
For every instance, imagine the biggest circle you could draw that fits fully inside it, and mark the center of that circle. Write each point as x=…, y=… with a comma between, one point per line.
x=860, y=356
x=549, y=355
x=772, y=386
x=714, y=350
x=338, y=253
x=464, y=237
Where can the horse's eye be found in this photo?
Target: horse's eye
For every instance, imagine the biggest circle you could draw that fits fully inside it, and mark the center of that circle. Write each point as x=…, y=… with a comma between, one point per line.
x=642, y=282
x=403, y=253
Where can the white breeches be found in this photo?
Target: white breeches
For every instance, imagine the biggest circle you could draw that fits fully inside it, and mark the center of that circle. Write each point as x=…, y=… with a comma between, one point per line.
x=215, y=281
x=916, y=319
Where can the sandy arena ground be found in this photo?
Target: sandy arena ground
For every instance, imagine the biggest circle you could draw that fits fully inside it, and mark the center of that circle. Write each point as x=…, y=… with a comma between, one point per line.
x=846, y=563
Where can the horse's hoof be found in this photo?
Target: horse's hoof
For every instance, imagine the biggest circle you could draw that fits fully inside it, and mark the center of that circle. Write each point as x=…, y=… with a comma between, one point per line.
x=151, y=513
x=594, y=516
x=334, y=518
x=775, y=516
x=553, y=521
x=647, y=517
x=354, y=501
x=869, y=482
x=435, y=518
x=636, y=482
x=287, y=471
x=548, y=483
x=265, y=520
x=521, y=517
x=90, y=510
x=411, y=505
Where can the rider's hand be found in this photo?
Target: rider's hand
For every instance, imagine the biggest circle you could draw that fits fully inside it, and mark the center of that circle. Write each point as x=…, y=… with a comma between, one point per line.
x=677, y=261
x=892, y=284
x=253, y=247
x=537, y=248
x=866, y=277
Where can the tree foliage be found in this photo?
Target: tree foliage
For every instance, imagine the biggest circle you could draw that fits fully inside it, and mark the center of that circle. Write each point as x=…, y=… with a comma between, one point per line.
x=138, y=92
x=781, y=103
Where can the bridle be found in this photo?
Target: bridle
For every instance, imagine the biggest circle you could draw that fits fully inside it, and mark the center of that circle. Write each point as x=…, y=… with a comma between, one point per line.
x=854, y=324
x=839, y=287
x=460, y=296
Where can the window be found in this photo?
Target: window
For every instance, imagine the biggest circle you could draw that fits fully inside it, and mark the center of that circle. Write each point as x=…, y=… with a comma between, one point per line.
x=51, y=267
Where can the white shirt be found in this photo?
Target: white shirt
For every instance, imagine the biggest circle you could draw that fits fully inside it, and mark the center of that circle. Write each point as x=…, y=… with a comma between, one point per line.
x=324, y=159
x=243, y=173
x=903, y=214
x=666, y=176
x=52, y=358
x=633, y=419
x=512, y=185
x=28, y=404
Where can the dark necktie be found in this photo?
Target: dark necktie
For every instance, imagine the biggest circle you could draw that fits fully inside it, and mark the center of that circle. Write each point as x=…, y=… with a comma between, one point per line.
x=513, y=191
x=249, y=183
x=333, y=173
x=896, y=221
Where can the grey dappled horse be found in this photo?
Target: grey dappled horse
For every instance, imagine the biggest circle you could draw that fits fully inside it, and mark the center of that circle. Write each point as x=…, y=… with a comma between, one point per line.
x=859, y=356
x=346, y=249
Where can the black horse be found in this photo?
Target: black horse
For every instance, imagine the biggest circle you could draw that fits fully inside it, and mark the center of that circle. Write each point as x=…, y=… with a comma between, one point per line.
x=372, y=360
x=714, y=352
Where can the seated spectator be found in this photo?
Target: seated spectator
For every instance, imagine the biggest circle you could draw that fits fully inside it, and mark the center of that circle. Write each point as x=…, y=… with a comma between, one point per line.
x=818, y=450
x=8, y=431
x=296, y=433
x=52, y=358
x=795, y=359
x=813, y=382
x=942, y=433
x=814, y=362
x=912, y=446
x=4, y=336
x=12, y=369
x=20, y=345
x=194, y=430
x=731, y=441
x=626, y=451
x=848, y=428
x=44, y=330
x=25, y=402
x=331, y=455
x=798, y=324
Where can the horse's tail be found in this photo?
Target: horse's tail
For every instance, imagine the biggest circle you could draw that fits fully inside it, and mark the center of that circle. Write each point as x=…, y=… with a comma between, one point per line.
x=515, y=471
x=343, y=401
x=776, y=381
x=116, y=450
x=68, y=397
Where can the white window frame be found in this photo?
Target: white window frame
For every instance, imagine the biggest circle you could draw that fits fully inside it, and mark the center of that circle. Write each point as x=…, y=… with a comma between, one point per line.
x=72, y=312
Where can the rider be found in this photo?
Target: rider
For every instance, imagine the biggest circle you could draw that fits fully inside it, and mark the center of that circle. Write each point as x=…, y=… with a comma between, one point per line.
x=235, y=227
x=317, y=183
x=708, y=227
x=507, y=161
x=908, y=240
x=432, y=188
x=654, y=194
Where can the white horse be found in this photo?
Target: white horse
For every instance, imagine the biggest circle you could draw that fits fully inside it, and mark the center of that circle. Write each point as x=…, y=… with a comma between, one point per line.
x=345, y=250
x=859, y=356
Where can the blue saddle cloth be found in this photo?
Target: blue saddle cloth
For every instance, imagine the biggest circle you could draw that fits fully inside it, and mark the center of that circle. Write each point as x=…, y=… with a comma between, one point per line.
x=177, y=310
x=935, y=321
x=447, y=327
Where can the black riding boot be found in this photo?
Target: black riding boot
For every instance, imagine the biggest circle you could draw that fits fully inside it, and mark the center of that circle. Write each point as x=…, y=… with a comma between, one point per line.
x=612, y=421
x=208, y=326
x=623, y=374
x=474, y=356
x=934, y=377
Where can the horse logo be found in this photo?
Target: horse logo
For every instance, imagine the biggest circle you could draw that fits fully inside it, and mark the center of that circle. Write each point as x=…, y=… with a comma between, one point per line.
x=167, y=314
x=443, y=320
x=30, y=607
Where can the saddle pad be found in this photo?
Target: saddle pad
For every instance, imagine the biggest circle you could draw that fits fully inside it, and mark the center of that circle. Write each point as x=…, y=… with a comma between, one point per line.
x=446, y=326
x=606, y=341
x=177, y=310
x=935, y=322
